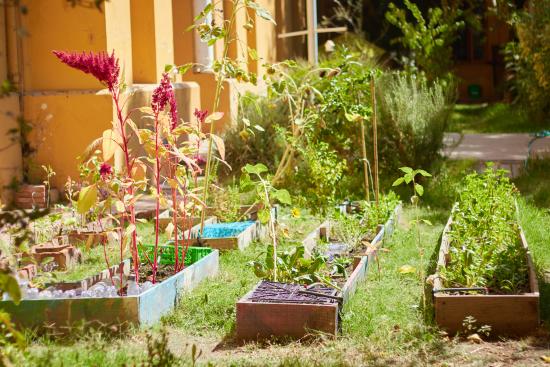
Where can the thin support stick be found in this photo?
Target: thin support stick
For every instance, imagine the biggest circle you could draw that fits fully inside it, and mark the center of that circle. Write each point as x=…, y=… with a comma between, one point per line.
x=365, y=163
x=375, y=141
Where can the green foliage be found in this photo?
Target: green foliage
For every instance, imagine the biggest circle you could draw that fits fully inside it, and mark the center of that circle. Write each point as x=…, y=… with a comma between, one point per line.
x=528, y=59
x=158, y=353
x=319, y=175
x=414, y=116
x=255, y=178
x=410, y=177
x=291, y=267
x=428, y=40
x=485, y=248
x=226, y=202
x=354, y=227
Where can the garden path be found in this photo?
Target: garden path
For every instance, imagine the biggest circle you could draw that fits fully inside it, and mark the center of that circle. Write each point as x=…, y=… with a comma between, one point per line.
x=509, y=151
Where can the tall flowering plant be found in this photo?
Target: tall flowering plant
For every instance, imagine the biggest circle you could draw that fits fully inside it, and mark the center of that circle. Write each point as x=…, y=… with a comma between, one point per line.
x=165, y=146
x=108, y=187
x=171, y=146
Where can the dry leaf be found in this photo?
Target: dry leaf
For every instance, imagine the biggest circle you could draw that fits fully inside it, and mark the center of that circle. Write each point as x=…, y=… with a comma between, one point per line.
x=407, y=269
x=474, y=338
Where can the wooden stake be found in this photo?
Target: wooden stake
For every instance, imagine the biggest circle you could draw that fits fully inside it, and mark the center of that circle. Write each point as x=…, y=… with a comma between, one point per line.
x=375, y=141
x=365, y=164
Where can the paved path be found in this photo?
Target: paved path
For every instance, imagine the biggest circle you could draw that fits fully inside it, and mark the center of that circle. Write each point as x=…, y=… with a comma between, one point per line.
x=509, y=151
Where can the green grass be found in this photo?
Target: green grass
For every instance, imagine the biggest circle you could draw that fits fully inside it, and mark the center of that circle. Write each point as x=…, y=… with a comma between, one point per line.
x=533, y=184
x=383, y=324
x=491, y=118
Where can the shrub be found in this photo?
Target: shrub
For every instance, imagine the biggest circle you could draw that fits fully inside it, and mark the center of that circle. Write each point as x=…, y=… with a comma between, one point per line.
x=309, y=110
x=414, y=115
x=528, y=59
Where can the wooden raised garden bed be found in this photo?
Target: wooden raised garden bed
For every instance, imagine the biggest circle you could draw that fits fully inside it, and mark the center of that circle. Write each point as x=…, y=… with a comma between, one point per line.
x=247, y=232
x=304, y=311
x=143, y=309
x=505, y=314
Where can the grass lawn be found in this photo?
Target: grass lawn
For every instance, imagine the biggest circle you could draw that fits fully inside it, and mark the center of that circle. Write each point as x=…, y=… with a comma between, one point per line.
x=491, y=118
x=384, y=323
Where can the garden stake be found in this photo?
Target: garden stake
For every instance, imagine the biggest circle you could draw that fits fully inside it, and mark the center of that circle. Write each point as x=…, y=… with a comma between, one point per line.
x=365, y=163
x=375, y=141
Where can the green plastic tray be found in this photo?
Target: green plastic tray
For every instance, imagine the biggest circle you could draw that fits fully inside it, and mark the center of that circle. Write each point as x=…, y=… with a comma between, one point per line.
x=167, y=257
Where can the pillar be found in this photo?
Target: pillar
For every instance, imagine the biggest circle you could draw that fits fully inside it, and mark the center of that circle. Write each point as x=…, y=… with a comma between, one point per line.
x=152, y=39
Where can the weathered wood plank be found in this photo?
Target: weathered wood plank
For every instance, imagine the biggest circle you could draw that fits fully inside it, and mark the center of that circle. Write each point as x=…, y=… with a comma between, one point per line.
x=506, y=314
x=257, y=320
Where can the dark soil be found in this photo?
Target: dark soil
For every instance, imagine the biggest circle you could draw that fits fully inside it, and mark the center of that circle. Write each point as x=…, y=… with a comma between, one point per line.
x=163, y=272
x=274, y=292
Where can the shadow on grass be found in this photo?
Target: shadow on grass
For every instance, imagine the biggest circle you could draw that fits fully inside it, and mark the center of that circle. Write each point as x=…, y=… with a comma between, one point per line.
x=431, y=267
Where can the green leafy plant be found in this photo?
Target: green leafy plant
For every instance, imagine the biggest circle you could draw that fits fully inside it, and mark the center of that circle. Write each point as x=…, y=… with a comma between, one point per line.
x=49, y=174
x=224, y=67
x=414, y=115
x=485, y=248
x=411, y=177
x=428, y=40
x=291, y=266
x=527, y=59
x=254, y=178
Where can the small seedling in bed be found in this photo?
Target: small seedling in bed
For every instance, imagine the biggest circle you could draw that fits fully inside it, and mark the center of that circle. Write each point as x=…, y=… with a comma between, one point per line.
x=411, y=177
x=255, y=178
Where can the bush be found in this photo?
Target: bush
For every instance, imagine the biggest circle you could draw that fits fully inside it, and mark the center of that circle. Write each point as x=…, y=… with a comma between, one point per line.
x=414, y=116
x=326, y=161
x=528, y=60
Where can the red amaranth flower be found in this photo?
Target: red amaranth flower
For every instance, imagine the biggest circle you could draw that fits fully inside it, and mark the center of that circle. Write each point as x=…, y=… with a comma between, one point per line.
x=163, y=95
x=200, y=115
x=102, y=66
x=105, y=170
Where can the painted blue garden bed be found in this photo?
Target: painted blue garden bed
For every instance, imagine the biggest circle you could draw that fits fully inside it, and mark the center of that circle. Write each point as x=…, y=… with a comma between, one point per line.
x=143, y=309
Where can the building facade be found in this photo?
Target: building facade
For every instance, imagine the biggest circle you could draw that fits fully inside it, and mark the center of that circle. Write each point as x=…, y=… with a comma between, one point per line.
x=68, y=109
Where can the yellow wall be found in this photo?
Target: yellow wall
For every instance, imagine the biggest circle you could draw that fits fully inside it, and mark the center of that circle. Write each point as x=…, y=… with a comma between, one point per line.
x=238, y=48
x=77, y=119
x=10, y=154
x=184, y=48
x=143, y=41
x=55, y=25
x=145, y=34
x=264, y=38
x=119, y=34
x=152, y=39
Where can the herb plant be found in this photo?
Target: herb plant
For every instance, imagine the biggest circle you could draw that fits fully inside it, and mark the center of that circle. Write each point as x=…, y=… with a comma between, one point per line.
x=254, y=178
x=485, y=247
x=291, y=266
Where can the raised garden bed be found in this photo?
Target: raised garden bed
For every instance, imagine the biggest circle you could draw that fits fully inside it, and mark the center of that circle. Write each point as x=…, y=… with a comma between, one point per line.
x=515, y=314
x=227, y=236
x=295, y=311
x=143, y=309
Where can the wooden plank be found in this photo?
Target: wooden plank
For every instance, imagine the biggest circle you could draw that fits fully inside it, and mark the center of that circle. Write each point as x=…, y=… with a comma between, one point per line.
x=356, y=276
x=259, y=320
x=506, y=314
x=161, y=299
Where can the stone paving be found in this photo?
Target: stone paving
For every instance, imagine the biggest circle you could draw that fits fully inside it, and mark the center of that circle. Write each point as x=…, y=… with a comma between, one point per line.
x=508, y=151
